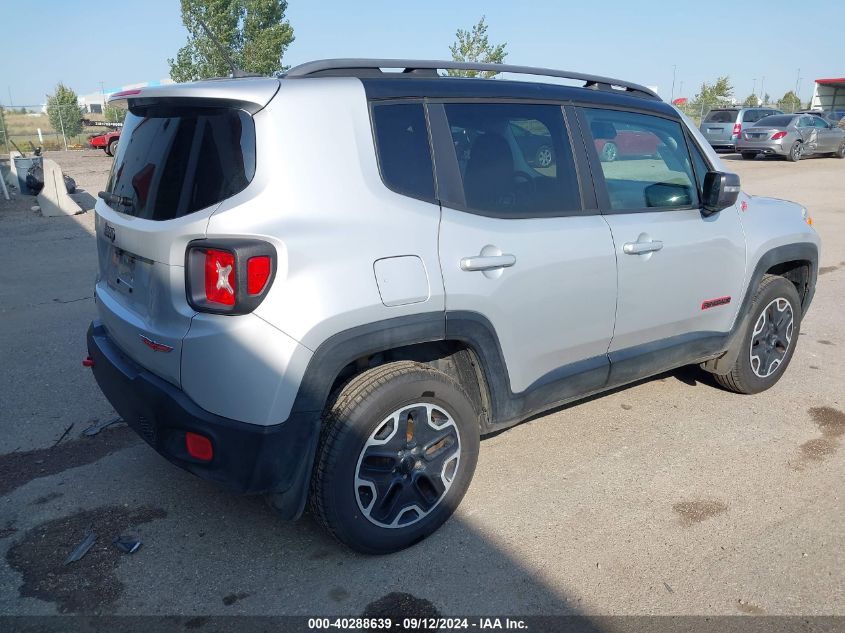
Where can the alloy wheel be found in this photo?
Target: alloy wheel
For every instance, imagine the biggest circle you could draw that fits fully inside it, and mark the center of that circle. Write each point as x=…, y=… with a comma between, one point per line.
x=407, y=465
x=771, y=337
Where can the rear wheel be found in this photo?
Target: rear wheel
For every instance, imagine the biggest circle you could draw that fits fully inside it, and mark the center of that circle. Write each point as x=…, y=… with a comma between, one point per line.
x=397, y=453
x=766, y=347
x=609, y=152
x=749, y=155
x=111, y=149
x=795, y=152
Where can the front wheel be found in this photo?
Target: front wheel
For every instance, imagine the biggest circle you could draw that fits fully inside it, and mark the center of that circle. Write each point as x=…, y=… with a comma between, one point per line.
x=767, y=345
x=840, y=153
x=397, y=453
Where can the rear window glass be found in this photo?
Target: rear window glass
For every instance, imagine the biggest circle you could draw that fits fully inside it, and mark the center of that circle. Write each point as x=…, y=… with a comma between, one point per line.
x=778, y=120
x=403, y=152
x=171, y=162
x=721, y=116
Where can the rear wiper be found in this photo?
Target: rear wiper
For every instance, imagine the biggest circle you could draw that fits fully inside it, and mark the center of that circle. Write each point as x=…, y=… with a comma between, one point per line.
x=113, y=198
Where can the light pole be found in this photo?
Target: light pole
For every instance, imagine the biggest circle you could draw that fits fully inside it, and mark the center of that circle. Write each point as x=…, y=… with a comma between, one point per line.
x=674, y=70
x=763, y=92
x=754, y=89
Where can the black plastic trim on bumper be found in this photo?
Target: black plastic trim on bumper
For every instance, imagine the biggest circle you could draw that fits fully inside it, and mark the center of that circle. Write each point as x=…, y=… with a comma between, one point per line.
x=248, y=458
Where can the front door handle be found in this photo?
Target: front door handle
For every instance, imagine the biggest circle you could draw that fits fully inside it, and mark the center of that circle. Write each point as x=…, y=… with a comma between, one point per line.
x=638, y=248
x=487, y=262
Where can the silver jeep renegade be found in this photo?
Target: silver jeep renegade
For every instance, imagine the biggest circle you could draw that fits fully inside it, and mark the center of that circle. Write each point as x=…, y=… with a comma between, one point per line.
x=326, y=287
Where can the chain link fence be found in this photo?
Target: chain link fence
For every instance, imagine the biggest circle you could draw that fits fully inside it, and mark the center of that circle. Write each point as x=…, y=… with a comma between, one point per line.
x=27, y=127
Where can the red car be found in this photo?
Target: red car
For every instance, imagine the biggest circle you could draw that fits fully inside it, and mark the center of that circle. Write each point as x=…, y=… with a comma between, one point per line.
x=628, y=144
x=106, y=142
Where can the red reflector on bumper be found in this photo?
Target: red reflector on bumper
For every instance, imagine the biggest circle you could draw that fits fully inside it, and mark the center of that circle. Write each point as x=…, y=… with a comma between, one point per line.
x=199, y=446
x=87, y=362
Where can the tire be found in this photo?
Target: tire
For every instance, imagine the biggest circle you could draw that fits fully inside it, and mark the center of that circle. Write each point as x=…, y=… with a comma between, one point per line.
x=609, y=152
x=749, y=155
x=795, y=152
x=771, y=300
x=364, y=459
x=111, y=149
x=840, y=153
x=544, y=157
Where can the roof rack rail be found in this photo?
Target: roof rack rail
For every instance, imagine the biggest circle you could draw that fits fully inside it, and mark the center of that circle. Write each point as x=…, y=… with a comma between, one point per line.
x=428, y=68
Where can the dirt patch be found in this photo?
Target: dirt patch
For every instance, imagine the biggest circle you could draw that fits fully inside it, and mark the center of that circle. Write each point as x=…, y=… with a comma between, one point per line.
x=749, y=607
x=338, y=594
x=698, y=511
x=232, y=598
x=831, y=423
x=818, y=449
x=89, y=584
x=627, y=407
x=47, y=498
x=827, y=269
x=7, y=530
x=19, y=468
x=825, y=342
x=397, y=606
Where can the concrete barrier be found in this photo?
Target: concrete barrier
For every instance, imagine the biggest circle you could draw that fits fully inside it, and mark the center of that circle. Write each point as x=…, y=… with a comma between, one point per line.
x=54, y=198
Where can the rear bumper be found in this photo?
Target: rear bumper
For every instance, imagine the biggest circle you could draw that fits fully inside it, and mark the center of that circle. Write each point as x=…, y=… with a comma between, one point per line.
x=762, y=147
x=722, y=144
x=248, y=458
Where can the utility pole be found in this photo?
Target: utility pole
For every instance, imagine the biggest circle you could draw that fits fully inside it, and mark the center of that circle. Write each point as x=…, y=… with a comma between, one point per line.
x=674, y=70
x=763, y=92
x=754, y=89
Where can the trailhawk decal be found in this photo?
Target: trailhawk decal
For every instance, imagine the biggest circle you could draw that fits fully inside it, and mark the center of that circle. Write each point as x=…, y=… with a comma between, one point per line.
x=154, y=345
x=712, y=303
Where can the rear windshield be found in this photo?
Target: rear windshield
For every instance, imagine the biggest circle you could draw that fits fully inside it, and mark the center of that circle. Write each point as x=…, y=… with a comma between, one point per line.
x=777, y=120
x=171, y=162
x=752, y=116
x=721, y=116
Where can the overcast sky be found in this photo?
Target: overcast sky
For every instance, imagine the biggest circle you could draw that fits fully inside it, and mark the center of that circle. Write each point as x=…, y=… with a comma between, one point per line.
x=117, y=43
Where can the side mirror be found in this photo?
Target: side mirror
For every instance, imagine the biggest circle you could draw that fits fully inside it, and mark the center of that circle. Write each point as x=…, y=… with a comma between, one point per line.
x=721, y=190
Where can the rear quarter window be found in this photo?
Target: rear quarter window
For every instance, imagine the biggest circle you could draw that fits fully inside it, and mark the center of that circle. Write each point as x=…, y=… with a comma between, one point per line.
x=172, y=162
x=404, y=154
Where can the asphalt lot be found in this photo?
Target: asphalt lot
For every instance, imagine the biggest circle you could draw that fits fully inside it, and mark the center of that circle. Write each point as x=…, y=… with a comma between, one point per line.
x=667, y=497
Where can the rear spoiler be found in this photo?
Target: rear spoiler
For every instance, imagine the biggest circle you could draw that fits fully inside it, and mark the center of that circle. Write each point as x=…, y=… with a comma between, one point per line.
x=249, y=93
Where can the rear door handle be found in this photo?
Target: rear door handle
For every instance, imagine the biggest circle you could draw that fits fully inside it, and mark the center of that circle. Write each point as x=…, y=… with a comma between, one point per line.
x=638, y=248
x=487, y=262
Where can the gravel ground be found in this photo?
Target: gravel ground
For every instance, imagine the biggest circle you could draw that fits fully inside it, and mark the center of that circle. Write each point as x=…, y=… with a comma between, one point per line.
x=670, y=496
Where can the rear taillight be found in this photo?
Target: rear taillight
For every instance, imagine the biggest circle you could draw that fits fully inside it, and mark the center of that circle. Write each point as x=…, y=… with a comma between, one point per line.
x=228, y=276
x=220, y=281
x=257, y=274
x=778, y=135
x=737, y=129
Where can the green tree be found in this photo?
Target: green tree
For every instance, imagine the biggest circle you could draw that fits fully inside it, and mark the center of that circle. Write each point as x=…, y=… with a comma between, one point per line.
x=751, y=100
x=254, y=33
x=713, y=94
x=114, y=114
x=63, y=111
x=767, y=99
x=789, y=102
x=473, y=46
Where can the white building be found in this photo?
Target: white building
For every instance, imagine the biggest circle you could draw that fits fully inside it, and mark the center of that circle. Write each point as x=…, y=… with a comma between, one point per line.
x=829, y=94
x=96, y=101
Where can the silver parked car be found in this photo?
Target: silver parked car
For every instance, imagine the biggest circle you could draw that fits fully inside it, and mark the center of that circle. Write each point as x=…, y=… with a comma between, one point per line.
x=343, y=332
x=792, y=136
x=722, y=127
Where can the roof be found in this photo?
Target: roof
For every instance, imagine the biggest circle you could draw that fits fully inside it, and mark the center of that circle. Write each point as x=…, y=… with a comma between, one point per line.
x=835, y=80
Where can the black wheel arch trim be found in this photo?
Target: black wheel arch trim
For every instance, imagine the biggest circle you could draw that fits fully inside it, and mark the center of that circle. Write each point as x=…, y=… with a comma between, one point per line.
x=799, y=251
